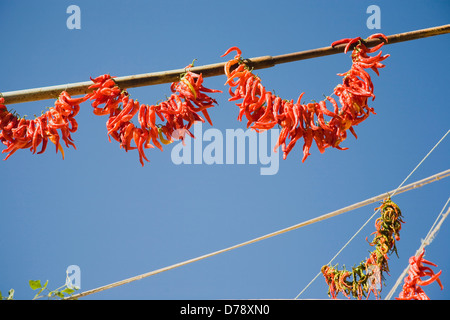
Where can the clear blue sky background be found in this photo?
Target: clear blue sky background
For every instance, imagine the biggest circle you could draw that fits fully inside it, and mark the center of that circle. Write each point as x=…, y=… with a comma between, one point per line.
x=100, y=210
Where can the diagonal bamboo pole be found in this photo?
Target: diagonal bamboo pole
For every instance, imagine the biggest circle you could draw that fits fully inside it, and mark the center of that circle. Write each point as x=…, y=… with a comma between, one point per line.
x=147, y=79
x=411, y=186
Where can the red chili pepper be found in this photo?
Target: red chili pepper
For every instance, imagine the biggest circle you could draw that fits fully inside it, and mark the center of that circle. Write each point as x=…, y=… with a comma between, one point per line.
x=350, y=43
x=378, y=35
x=238, y=52
x=342, y=41
x=412, y=289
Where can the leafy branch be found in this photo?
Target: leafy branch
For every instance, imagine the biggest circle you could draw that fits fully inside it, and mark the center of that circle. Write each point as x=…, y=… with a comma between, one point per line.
x=43, y=291
x=58, y=293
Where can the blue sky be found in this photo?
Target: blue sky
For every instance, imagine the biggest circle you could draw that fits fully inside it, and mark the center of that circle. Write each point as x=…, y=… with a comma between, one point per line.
x=100, y=210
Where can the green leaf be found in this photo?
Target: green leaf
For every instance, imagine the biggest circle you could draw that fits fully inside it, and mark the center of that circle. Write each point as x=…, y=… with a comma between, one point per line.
x=35, y=284
x=69, y=291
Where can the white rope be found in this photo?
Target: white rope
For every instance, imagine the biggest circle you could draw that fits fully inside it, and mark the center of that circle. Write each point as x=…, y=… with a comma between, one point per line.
x=428, y=239
x=371, y=217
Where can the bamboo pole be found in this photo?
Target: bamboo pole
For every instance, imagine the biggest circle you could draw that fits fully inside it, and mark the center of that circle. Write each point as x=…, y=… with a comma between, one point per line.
x=147, y=79
x=411, y=186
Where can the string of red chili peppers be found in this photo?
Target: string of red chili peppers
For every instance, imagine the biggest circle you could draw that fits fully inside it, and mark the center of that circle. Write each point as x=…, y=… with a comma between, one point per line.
x=412, y=289
x=179, y=112
x=263, y=110
x=368, y=275
x=57, y=122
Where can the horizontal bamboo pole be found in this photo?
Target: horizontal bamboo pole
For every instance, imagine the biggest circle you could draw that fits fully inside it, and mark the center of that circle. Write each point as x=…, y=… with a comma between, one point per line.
x=147, y=79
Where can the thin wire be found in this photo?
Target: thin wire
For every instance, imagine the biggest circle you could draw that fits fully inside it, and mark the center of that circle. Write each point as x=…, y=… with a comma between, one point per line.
x=428, y=239
x=371, y=217
x=335, y=256
x=406, y=188
x=431, y=234
x=435, y=146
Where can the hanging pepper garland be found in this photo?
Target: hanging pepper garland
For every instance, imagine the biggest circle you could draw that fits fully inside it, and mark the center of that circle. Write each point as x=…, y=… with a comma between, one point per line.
x=177, y=114
x=412, y=289
x=367, y=277
x=57, y=122
x=264, y=110
x=179, y=111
